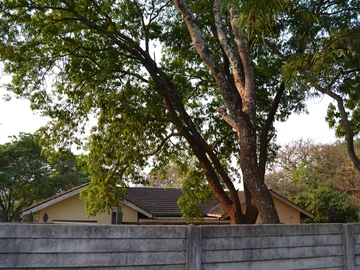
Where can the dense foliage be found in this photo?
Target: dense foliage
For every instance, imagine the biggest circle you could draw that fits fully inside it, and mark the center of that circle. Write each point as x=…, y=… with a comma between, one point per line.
x=27, y=177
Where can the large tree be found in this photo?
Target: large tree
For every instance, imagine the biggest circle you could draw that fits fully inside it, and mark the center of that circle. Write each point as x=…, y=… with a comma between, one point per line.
x=27, y=177
x=209, y=94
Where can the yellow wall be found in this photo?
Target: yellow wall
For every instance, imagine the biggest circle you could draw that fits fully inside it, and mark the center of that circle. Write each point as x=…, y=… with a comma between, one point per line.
x=129, y=214
x=287, y=214
x=73, y=209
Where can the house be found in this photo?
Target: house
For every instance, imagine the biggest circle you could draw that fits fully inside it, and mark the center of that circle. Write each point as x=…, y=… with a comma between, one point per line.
x=145, y=205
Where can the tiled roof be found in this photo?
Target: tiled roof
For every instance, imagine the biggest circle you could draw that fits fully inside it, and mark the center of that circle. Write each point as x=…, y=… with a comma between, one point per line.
x=161, y=202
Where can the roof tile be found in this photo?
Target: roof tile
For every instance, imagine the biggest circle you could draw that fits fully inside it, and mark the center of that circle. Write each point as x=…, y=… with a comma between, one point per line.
x=161, y=202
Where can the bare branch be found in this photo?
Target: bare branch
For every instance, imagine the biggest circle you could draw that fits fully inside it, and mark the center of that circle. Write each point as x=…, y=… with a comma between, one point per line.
x=233, y=58
x=227, y=118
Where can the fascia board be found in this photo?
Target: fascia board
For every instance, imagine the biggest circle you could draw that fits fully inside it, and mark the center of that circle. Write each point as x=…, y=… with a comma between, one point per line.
x=137, y=208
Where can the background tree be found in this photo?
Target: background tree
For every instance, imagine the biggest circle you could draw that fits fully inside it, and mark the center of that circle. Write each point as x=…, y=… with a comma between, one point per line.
x=27, y=177
x=318, y=177
x=210, y=94
x=166, y=177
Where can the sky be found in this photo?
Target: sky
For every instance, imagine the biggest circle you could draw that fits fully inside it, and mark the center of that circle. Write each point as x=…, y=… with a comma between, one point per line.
x=308, y=126
x=16, y=116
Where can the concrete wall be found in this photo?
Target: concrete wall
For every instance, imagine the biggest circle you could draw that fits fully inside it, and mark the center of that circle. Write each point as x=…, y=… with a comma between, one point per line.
x=55, y=246
x=59, y=246
x=273, y=247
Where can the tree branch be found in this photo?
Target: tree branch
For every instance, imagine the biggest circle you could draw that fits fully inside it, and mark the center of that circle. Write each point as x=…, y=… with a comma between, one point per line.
x=233, y=58
x=230, y=95
x=227, y=118
x=173, y=134
x=264, y=141
x=248, y=96
x=349, y=134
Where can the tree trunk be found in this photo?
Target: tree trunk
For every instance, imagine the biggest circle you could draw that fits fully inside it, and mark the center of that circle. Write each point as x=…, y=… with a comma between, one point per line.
x=253, y=179
x=251, y=209
x=239, y=97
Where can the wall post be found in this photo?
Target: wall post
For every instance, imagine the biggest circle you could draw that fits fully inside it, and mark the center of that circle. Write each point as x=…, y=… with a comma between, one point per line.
x=349, y=246
x=193, y=249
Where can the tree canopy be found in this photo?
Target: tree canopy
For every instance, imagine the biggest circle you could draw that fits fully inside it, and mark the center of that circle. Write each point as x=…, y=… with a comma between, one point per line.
x=166, y=82
x=27, y=177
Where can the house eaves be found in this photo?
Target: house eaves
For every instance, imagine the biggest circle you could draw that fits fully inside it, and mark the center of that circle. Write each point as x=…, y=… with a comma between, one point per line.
x=52, y=200
x=137, y=208
x=284, y=200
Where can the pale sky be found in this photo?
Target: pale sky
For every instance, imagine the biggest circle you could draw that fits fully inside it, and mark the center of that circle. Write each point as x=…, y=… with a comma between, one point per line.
x=16, y=116
x=308, y=126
